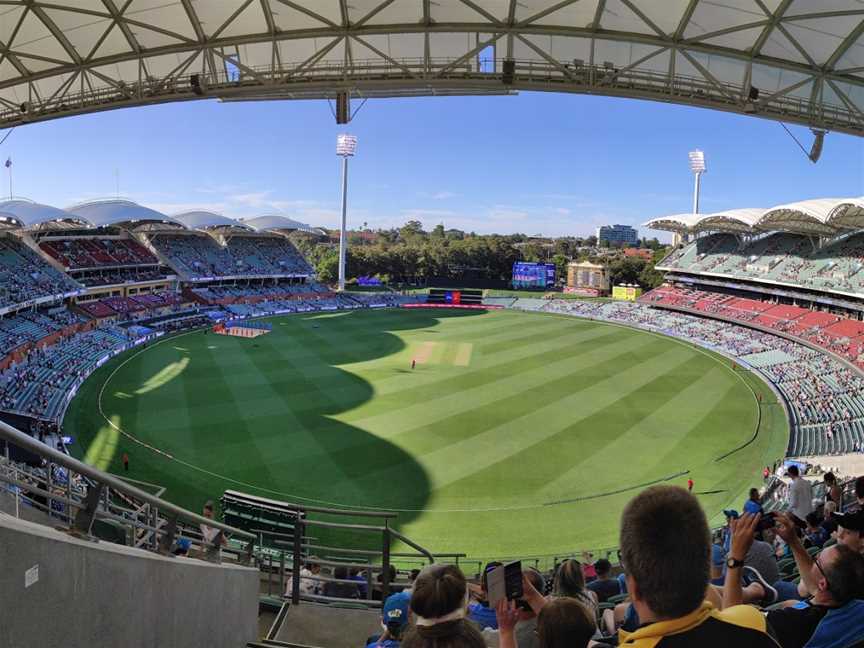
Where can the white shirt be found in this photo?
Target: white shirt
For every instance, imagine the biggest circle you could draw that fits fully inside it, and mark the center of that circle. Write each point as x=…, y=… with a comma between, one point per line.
x=800, y=497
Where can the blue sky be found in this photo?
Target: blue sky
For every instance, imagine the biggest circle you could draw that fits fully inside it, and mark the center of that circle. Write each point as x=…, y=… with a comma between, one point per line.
x=535, y=163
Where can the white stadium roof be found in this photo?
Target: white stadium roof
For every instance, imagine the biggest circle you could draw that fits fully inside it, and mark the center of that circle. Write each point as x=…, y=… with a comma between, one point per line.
x=278, y=223
x=113, y=212
x=20, y=212
x=795, y=60
x=207, y=220
x=818, y=217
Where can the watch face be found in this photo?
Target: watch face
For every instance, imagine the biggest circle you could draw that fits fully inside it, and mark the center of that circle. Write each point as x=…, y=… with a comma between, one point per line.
x=731, y=562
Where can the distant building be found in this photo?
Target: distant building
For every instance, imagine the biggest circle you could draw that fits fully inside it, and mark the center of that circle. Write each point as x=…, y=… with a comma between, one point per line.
x=618, y=234
x=641, y=253
x=587, y=278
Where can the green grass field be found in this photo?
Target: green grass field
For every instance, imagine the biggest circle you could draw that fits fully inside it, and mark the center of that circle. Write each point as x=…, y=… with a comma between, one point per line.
x=505, y=440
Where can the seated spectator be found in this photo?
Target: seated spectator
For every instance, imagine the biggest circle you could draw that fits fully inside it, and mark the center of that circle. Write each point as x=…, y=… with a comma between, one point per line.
x=718, y=558
x=525, y=630
x=665, y=544
x=753, y=504
x=828, y=522
x=605, y=585
x=479, y=611
x=439, y=603
x=340, y=589
x=561, y=623
x=814, y=535
x=378, y=590
x=850, y=529
x=835, y=577
x=394, y=618
x=569, y=581
x=858, y=504
x=309, y=584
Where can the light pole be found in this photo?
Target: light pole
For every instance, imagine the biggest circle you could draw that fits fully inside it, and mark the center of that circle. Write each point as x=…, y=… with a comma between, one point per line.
x=697, y=166
x=346, y=145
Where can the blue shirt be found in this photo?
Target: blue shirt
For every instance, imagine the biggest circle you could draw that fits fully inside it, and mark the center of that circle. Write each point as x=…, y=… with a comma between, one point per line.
x=622, y=582
x=387, y=643
x=752, y=507
x=483, y=616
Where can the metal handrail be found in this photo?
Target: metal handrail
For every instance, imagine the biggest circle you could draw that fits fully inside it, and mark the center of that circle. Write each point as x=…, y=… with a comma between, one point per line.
x=26, y=442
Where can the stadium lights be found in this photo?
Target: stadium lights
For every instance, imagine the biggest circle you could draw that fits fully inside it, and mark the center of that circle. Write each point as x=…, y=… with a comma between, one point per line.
x=697, y=166
x=346, y=146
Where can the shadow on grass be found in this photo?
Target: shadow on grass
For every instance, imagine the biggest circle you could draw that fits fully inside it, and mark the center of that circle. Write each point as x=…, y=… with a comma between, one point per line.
x=307, y=352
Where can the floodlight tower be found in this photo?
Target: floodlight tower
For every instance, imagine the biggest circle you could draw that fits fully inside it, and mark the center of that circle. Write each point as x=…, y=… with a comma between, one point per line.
x=346, y=145
x=697, y=166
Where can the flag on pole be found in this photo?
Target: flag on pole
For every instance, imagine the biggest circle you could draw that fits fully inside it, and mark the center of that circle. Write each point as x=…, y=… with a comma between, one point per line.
x=8, y=162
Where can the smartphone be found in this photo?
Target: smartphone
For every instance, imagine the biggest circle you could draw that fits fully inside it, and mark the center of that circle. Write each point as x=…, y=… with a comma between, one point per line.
x=513, y=580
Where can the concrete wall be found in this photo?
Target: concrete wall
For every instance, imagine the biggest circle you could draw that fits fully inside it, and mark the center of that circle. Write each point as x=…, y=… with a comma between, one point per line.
x=91, y=594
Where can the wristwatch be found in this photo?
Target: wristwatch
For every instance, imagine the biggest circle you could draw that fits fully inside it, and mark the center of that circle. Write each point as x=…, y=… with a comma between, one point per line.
x=732, y=563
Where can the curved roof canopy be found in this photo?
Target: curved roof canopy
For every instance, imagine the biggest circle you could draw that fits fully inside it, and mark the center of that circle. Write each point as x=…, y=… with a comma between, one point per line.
x=207, y=220
x=849, y=214
x=731, y=220
x=805, y=217
x=113, y=212
x=796, y=60
x=819, y=217
x=278, y=223
x=680, y=223
x=29, y=214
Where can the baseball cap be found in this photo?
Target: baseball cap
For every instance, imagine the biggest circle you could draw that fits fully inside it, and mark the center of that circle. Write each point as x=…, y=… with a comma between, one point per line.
x=850, y=521
x=396, y=609
x=731, y=513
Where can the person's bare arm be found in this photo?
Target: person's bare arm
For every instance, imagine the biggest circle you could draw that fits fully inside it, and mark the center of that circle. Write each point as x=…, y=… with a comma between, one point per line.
x=786, y=529
x=508, y=616
x=531, y=596
x=743, y=533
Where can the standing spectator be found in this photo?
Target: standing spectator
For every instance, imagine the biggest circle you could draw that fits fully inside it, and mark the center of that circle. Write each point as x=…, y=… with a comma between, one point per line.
x=339, y=589
x=125, y=462
x=665, y=544
x=800, y=496
x=689, y=485
x=439, y=603
x=833, y=491
x=753, y=505
x=214, y=539
x=605, y=585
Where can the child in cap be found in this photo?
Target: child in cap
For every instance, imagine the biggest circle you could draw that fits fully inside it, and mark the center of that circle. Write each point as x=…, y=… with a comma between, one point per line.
x=394, y=618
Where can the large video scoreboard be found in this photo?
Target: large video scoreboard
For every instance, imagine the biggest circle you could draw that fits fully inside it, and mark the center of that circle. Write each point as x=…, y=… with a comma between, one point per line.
x=536, y=276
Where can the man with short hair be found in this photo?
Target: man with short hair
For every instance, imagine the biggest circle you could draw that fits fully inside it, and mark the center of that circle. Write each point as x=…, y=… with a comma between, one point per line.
x=665, y=544
x=605, y=585
x=800, y=496
x=837, y=578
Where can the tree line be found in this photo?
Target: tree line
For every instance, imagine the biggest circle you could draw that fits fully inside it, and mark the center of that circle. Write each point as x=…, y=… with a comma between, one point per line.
x=411, y=255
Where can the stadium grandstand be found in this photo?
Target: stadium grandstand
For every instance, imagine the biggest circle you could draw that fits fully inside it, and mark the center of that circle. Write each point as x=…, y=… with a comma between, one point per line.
x=155, y=365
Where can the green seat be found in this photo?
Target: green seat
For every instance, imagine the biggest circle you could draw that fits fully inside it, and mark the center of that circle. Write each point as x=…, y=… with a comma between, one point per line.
x=618, y=598
x=813, y=550
x=607, y=606
x=829, y=543
x=786, y=566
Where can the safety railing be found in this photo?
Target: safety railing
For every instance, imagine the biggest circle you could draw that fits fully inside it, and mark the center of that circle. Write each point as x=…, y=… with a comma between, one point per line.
x=76, y=495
